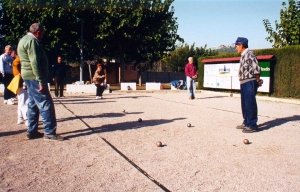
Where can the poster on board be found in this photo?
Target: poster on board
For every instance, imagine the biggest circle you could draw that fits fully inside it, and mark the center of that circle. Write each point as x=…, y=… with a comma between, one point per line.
x=225, y=76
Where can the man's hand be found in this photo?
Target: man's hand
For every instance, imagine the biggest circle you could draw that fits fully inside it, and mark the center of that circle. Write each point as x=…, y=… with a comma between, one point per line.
x=260, y=82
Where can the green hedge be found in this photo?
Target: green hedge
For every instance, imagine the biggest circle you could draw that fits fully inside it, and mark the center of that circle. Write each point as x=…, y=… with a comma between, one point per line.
x=285, y=77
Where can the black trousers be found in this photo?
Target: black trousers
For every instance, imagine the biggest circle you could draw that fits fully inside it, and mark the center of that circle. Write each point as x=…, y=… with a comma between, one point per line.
x=100, y=89
x=6, y=81
x=59, y=87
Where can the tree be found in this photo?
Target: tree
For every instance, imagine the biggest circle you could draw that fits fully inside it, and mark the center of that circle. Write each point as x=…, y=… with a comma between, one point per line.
x=124, y=29
x=287, y=32
x=176, y=60
x=138, y=30
x=62, y=20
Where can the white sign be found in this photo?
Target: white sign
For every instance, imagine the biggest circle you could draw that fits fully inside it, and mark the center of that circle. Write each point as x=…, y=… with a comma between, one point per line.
x=225, y=76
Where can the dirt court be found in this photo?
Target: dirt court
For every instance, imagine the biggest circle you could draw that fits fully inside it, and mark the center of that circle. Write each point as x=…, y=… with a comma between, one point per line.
x=107, y=149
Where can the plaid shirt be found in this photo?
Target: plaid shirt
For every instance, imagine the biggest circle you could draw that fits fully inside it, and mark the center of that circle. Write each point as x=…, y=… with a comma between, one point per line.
x=248, y=66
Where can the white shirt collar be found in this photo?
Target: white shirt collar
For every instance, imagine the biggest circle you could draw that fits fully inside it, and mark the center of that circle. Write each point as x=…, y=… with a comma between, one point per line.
x=32, y=35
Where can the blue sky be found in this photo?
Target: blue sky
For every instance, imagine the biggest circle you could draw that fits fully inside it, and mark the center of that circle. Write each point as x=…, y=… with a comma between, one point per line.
x=220, y=22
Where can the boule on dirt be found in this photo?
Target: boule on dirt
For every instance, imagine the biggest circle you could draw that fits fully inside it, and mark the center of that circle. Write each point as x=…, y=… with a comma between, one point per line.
x=159, y=144
x=246, y=141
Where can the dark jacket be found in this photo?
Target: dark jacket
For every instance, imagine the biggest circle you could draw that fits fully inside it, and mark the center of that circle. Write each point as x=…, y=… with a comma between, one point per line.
x=59, y=71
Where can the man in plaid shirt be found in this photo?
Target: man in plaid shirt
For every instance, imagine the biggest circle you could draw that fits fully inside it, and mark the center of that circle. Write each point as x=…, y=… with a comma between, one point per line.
x=249, y=75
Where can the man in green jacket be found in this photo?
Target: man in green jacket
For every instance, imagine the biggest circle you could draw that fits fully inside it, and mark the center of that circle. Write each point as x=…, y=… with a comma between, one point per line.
x=34, y=70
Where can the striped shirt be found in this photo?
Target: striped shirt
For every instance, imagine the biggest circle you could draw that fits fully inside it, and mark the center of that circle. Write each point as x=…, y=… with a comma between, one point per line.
x=248, y=66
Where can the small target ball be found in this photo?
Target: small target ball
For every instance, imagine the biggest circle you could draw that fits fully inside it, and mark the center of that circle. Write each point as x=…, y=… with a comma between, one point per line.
x=124, y=111
x=140, y=120
x=246, y=141
x=189, y=125
x=159, y=144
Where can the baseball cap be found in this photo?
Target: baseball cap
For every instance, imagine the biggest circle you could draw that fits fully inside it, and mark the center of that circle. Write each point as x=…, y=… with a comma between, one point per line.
x=241, y=40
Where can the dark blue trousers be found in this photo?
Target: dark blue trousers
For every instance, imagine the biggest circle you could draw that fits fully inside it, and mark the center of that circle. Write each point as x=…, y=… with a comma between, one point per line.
x=248, y=103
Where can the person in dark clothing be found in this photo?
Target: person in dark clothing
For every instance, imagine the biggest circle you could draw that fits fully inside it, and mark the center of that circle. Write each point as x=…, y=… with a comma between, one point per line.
x=59, y=74
x=249, y=76
x=99, y=80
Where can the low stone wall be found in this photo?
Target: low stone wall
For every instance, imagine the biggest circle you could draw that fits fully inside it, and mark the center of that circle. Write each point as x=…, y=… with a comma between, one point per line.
x=153, y=86
x=90, y=88
x=125, y=86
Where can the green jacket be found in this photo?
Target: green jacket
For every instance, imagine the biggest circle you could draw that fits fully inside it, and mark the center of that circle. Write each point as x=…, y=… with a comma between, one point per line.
x=34, y=62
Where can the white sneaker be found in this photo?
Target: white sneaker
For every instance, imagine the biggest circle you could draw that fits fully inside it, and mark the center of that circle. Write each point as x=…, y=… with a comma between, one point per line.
x=20, y=121
x=10, y=102
x=97, y=97
x=26, y=123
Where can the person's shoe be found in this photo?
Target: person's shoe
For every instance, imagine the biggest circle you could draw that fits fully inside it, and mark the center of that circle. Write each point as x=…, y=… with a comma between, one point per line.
x=242, y=126
x=26, y=123
x=10, y=102
x=34, y=135
x=249, y=130
x=97, y=97
x=20, y=121
x=192, y=97
x=13, y=99
x=53, y=137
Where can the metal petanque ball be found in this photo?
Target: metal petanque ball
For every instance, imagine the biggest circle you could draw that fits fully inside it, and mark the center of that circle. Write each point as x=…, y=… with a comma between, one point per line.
x=124, y=111
x=246, y=141
x=159, y=144
x=140, y=120
x=189, y=125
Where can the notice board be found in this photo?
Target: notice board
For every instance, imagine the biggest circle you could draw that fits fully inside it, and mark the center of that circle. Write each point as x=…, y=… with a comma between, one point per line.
x=224, y=75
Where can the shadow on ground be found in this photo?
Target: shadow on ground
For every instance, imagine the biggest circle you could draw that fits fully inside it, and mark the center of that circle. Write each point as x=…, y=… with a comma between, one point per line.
x=87, y=100
x=106, y=115
x=116, y=127
x=212, y=97
x=9, y=133
x=277, y=122
x=84, y=101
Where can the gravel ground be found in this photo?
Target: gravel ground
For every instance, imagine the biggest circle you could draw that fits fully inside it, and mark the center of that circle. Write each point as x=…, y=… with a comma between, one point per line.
x=107, y=149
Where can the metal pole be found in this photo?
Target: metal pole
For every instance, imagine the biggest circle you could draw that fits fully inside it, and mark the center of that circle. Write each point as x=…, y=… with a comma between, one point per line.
x=81, y=51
